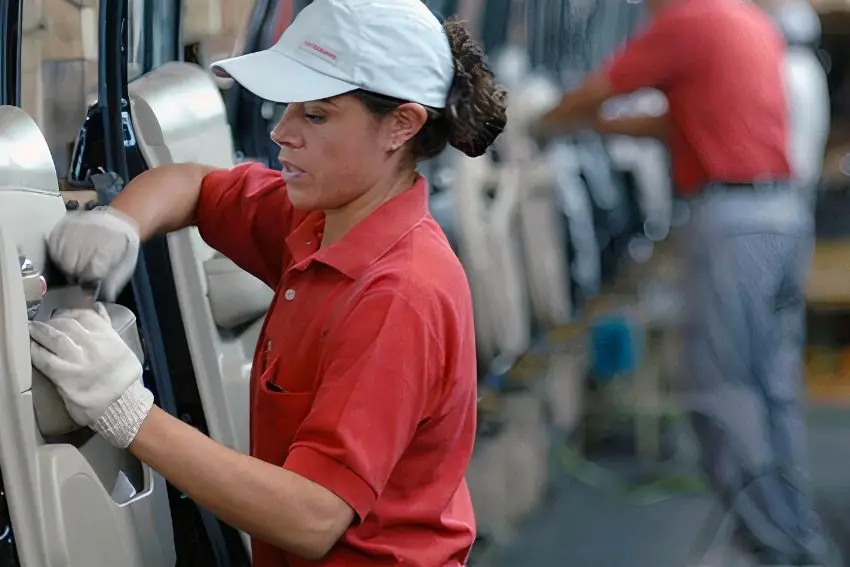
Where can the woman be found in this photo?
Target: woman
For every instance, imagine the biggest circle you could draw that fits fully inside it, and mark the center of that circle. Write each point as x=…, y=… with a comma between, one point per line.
x=363, y=387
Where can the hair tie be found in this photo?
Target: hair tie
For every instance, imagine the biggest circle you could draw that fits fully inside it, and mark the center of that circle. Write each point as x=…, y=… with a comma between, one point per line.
x=453, y=111
x=453, y=100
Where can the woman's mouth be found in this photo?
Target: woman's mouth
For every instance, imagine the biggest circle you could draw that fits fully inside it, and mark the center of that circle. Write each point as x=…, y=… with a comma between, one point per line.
x=290, y=172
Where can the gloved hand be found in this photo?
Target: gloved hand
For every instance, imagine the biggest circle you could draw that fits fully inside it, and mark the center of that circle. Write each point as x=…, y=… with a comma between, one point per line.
x=97, y=375
x=101, y=244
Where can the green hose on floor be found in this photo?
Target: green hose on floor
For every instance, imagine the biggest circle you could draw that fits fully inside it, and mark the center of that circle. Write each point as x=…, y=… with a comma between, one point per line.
x=663, y=487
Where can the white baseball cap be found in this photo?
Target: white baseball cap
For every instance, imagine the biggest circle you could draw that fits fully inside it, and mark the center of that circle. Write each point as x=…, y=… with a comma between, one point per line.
x=396, y=48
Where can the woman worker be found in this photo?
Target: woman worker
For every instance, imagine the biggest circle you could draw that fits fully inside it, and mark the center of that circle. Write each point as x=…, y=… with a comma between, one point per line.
x=363, y=387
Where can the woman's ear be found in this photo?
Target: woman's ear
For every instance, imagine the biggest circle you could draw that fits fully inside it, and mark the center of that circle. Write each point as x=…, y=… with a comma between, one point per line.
x=404, y=123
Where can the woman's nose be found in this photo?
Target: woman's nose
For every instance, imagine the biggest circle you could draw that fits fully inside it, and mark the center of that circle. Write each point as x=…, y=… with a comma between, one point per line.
x=284, y=134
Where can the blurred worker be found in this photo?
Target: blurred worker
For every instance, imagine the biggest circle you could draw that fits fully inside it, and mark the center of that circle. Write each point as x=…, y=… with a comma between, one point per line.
x=747, y=248
x=363, y=386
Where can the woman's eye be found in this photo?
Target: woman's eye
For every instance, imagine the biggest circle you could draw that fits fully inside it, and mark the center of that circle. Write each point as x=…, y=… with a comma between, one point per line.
x=314, y=118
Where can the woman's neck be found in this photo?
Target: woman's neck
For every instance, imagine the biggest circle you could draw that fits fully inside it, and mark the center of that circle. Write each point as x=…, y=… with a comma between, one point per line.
x=339, y=221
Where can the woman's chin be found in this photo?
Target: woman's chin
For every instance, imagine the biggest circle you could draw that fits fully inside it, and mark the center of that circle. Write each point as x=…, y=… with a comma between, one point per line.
x=300, y=196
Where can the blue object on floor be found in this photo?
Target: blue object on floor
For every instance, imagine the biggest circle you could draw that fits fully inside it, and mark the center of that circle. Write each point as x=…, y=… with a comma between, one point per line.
x=614, y=347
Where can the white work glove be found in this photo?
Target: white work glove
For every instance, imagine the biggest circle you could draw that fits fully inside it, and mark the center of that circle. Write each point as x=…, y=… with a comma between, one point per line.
x=101, y=244
x=96, y=373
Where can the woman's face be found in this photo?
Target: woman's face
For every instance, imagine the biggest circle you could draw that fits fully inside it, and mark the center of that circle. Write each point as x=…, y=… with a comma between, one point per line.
x=334, y=151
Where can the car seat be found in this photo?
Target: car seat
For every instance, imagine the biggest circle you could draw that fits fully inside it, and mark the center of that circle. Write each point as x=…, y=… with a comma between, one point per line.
x=180, y=117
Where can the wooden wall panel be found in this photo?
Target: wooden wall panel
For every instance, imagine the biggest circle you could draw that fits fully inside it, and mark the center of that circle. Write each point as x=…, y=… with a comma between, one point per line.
x=59, y=67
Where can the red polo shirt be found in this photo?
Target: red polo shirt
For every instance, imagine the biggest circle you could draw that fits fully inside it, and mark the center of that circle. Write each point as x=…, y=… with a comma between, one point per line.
x=720, y=63
x=364, y=378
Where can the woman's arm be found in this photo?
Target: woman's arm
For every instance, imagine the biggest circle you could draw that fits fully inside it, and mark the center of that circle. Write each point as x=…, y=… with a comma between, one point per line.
x=243, y=212
x=163, y=199
x=266, y=501
x=637, y=126
x=579, y=106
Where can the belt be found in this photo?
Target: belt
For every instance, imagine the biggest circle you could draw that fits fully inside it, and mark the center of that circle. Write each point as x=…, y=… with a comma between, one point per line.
x=747, y=185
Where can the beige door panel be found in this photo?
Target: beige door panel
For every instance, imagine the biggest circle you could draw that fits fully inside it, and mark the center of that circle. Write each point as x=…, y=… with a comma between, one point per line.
x=59, y=478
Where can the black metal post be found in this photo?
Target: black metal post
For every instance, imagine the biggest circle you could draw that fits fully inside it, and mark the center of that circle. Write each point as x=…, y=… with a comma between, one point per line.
x=11, y=12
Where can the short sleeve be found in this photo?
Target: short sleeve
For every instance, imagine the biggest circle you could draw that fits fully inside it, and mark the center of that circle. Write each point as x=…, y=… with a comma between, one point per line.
x=655, y=58
x=245, y=214
x=381, y=368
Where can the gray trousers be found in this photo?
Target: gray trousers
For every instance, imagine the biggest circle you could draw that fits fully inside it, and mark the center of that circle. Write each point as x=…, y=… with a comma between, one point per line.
x=747, y=254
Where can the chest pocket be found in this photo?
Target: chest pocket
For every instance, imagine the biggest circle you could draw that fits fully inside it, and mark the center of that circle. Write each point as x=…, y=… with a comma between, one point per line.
x=298, y=329
x=285, y=390
x=292, y=341
x=277, y=414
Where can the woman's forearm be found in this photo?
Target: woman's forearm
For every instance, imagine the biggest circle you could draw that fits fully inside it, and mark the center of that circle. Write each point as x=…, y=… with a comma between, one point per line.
x=163, y=199
x=638, y=126
x=264, y=500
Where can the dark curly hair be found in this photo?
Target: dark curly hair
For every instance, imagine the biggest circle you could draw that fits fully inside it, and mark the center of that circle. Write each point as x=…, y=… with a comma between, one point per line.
x=475, y=112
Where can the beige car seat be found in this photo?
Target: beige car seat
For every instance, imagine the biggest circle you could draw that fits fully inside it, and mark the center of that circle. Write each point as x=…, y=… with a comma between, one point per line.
x=179, y=117
x=486, y=202
x=542, y=227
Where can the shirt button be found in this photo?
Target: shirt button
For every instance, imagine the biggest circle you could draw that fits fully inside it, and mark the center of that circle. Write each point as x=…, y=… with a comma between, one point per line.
x=289, y=295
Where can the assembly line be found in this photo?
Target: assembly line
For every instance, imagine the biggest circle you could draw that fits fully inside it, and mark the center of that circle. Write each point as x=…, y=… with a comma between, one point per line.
x=440, y=283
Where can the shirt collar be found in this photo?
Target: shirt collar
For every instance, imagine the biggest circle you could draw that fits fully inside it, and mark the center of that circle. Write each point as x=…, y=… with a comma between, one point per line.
x=367, y=241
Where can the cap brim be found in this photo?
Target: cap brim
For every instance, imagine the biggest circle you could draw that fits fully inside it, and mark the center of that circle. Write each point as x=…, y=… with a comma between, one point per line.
x=273, y=76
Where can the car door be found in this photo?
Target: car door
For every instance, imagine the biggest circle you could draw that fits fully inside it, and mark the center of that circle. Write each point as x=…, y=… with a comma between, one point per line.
x=106, y=156
x=69, y=498
x=221, y=306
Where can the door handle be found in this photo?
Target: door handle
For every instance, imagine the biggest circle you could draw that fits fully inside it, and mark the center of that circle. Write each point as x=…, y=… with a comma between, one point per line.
x=35, y=286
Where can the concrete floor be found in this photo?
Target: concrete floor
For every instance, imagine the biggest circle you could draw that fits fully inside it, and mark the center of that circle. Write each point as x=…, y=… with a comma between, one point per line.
x=539, y=515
